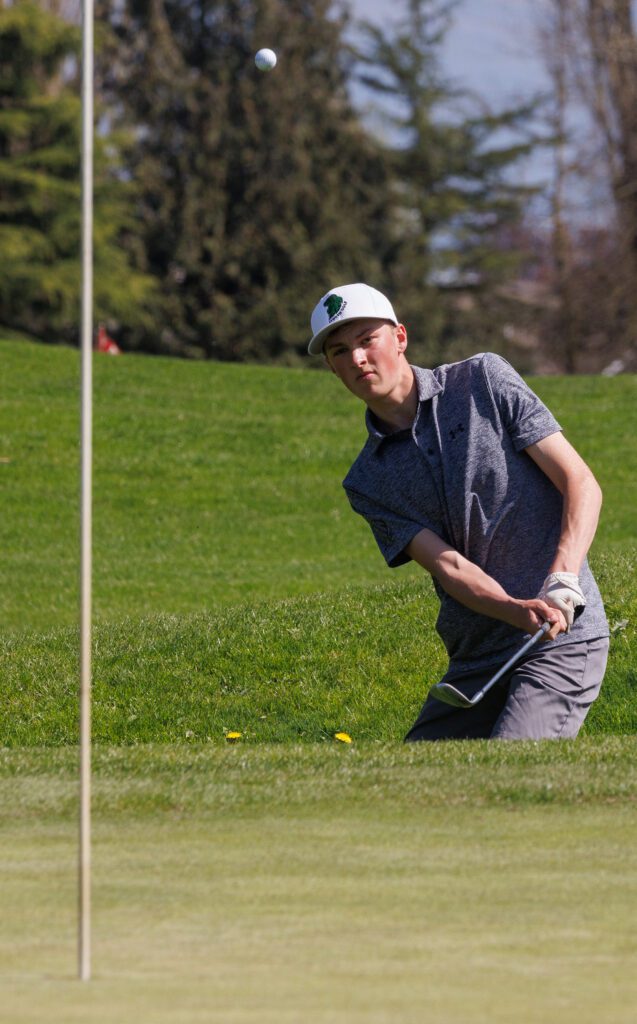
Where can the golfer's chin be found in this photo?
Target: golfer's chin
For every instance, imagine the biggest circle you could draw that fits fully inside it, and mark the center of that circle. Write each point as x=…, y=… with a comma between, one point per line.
x=366, y=384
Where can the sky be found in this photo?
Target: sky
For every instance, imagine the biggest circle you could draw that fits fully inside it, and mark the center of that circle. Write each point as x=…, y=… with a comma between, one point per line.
x=491, y=46
x=491, y=49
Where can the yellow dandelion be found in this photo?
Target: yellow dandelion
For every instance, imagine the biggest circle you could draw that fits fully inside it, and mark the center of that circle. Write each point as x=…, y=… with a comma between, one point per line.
x=342, y=737
x=232, y=737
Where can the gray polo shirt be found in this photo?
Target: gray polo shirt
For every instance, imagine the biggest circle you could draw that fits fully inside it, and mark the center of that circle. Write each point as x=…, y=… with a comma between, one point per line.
x=461, y=471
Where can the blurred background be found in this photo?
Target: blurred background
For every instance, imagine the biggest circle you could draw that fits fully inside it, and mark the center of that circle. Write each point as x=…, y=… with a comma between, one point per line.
x=475, y=160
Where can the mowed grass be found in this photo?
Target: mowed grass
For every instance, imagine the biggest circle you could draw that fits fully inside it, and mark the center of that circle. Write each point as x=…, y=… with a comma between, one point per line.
x=217, y=484
x=458, y=882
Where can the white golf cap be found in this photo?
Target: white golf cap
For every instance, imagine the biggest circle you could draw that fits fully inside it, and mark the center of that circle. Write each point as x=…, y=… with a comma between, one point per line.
x=349, y=302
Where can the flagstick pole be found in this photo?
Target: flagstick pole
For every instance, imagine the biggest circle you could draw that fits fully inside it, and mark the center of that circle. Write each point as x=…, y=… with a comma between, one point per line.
x=84, y=929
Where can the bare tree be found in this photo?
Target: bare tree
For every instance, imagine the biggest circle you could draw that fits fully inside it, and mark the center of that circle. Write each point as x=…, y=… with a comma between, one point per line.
x=554, y=36
x=613, y=47
x=589, y=48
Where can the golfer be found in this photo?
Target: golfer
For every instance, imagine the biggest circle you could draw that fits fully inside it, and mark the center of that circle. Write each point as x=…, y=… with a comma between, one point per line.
x=466, y=472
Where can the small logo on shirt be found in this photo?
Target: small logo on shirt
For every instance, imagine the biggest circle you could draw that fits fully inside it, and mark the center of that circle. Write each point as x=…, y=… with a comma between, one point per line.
x=335, y=306
x=455, y=431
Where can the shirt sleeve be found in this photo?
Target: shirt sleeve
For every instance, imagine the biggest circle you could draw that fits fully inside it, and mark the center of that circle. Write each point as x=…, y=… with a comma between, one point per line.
x=525, y=417
x=392, y=532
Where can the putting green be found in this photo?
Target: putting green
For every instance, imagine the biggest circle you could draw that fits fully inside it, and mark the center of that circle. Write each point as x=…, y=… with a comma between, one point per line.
x=252, y=902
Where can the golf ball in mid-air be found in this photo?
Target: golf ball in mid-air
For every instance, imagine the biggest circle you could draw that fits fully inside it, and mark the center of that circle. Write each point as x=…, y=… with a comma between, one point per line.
x=265, y=59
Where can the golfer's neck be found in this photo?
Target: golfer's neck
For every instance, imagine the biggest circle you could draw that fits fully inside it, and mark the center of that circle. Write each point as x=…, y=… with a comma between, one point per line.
x=397, y=411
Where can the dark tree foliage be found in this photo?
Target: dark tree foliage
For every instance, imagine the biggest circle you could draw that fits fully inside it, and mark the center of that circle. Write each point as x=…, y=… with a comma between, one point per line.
x=40, y=128
x=258, y=191
x=228, y=200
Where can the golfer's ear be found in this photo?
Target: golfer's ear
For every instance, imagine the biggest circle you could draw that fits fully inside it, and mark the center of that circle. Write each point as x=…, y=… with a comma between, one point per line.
x=401, y=337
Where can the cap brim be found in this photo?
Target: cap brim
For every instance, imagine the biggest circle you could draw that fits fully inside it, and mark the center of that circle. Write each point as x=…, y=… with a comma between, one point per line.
x=315, y=348
x=317, y=344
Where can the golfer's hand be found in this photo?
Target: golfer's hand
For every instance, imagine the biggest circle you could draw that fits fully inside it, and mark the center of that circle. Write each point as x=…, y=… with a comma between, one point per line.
x=532, y=614
x=562, y=590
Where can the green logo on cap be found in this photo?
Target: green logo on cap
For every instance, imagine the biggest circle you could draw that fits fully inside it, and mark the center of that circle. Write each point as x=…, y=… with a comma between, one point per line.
x=333, y=305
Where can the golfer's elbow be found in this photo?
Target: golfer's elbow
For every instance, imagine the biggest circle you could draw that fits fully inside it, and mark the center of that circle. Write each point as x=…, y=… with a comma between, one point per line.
x=590, y=496
x=448, y=566
x=599, y=501
x=598, y=494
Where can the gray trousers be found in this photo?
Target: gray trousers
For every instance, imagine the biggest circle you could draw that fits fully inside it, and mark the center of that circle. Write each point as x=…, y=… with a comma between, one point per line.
x=545, y=696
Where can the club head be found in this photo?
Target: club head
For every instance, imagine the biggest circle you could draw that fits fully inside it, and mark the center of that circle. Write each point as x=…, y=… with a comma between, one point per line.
x=450, y=695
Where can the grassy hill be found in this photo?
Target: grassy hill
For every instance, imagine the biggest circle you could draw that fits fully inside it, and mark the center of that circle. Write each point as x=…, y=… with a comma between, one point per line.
x=289, y=671
x=213, y=484
x=233, y=586
x=218, y=484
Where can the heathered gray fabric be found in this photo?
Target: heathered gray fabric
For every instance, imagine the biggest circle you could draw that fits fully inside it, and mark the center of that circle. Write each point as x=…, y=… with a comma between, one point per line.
x=547, y=695
x=461, y=472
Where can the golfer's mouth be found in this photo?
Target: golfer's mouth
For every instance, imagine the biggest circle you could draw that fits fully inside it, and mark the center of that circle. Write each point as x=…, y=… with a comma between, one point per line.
x=365, y=375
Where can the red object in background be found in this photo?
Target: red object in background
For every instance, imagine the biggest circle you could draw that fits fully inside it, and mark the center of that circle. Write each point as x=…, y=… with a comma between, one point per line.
x=105, y=343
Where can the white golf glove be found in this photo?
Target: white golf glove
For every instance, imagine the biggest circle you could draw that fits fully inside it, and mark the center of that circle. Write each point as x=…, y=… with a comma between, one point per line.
x=562, y=590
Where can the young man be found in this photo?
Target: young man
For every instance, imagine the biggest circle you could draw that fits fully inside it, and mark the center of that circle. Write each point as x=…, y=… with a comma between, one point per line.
x=467, y=472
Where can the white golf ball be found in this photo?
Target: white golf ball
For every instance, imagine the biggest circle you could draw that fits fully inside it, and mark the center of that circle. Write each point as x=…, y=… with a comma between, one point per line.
x=265, y=59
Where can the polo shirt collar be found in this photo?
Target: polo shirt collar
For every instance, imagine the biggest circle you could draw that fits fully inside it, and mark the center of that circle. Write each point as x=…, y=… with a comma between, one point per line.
x=427, y=386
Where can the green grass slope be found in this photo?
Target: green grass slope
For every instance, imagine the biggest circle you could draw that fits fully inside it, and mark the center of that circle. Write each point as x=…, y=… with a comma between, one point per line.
x=218, y=484
x=279, y=672
x=213, y=484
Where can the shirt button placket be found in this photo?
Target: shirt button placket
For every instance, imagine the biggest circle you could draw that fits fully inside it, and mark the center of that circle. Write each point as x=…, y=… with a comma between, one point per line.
x=429, y=449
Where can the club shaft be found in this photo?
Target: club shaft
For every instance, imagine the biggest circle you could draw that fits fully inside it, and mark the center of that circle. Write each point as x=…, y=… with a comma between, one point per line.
x=512, y=660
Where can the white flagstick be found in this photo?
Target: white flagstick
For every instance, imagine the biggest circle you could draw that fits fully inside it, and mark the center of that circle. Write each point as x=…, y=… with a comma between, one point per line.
x=84, y=931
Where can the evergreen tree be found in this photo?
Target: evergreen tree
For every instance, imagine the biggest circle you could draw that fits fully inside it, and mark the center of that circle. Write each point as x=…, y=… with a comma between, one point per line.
x=40, y=189
x=453, y=182
x=258, y=191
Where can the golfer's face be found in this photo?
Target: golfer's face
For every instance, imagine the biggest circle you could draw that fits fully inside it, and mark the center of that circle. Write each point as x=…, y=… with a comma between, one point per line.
x=366, y=355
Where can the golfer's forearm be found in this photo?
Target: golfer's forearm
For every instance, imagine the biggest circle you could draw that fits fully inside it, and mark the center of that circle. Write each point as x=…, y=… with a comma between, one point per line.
x=468, y=584
x=580, y=516
x=463, y=580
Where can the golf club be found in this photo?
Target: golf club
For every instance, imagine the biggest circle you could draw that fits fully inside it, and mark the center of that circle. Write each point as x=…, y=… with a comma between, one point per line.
x=451, y=695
